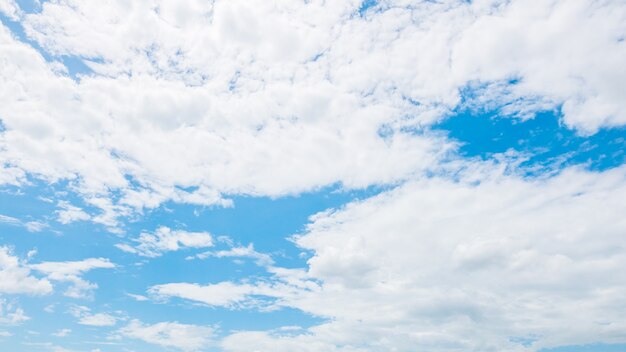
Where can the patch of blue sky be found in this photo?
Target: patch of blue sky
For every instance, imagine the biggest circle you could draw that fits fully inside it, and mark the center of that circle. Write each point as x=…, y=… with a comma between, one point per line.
x=76, y=67
x=366, y=5
x=30, y=6
x=544, y=140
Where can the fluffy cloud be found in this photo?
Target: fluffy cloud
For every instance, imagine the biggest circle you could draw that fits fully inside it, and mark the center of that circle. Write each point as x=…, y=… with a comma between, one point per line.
x=165, y=240
x=209, y=140
x=191, y=102
x=11, y=315
x=479, y=266
x=185, y=337
x=497, y=264
x=85, y=317
x=560, y=53
x=10, y=9
x=70, y=213
x=15, y=276
x=71, y=272
x=227, y=294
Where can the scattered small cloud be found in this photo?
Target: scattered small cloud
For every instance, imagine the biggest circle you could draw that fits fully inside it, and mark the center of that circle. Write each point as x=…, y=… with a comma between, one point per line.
x=138, y=298
x=70, y=213
x=71, y=272
x=85, y=317
x=62, y=332
x=164, y=240
x=185, y=337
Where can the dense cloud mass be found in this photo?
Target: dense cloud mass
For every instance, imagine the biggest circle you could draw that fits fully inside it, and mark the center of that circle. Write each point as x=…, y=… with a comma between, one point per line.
x=193, y=102
x=137, y=106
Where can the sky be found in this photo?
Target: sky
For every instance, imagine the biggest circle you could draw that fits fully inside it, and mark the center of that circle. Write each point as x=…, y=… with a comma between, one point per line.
x=346, y=175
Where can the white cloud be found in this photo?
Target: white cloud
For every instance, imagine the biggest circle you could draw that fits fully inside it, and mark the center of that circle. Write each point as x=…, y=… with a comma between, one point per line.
x=164, y=240
x=192, y=102
x=5, y=334
x=284, y=106
x=99, y=319
x=10, y=220
x=85, y=317
x=31, y=226
x=564, y=52
x=185, y=337
x=15, y=276
x=248, y=251
x=11, y=315
x=35, y=226
x=138, y=298
x=49, y=308
x=10, y=9
x=71, y=271
x=71, y=213
x=437, y=264
x=62, y=332
x=226, y=294
x=48, y=346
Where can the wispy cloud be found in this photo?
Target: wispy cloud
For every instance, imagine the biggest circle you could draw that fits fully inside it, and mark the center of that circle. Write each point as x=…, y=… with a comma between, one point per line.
x=164, y=239
x=71, y=271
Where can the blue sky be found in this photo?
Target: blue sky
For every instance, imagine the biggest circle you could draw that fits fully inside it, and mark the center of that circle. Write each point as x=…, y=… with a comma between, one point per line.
x=312, y=176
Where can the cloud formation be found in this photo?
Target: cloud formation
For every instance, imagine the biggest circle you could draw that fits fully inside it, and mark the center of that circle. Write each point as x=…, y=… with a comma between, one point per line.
x=85, y=317
x=71, y=271
x=120, y=108
x=16, y=277
x=164, y=240
x=185, y=337
x=11, y=315
x=500, y=264
x=192, y=110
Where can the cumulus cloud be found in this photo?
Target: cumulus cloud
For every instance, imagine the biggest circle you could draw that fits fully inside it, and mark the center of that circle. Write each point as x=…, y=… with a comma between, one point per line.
x=71, y=271
x=185, y=337
x=10, y=9
x=16, y=277
x=192, y=102
x=578, y=72
x=164, y=239
x=70, y=213
x=437, y=264
x=85, y=317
